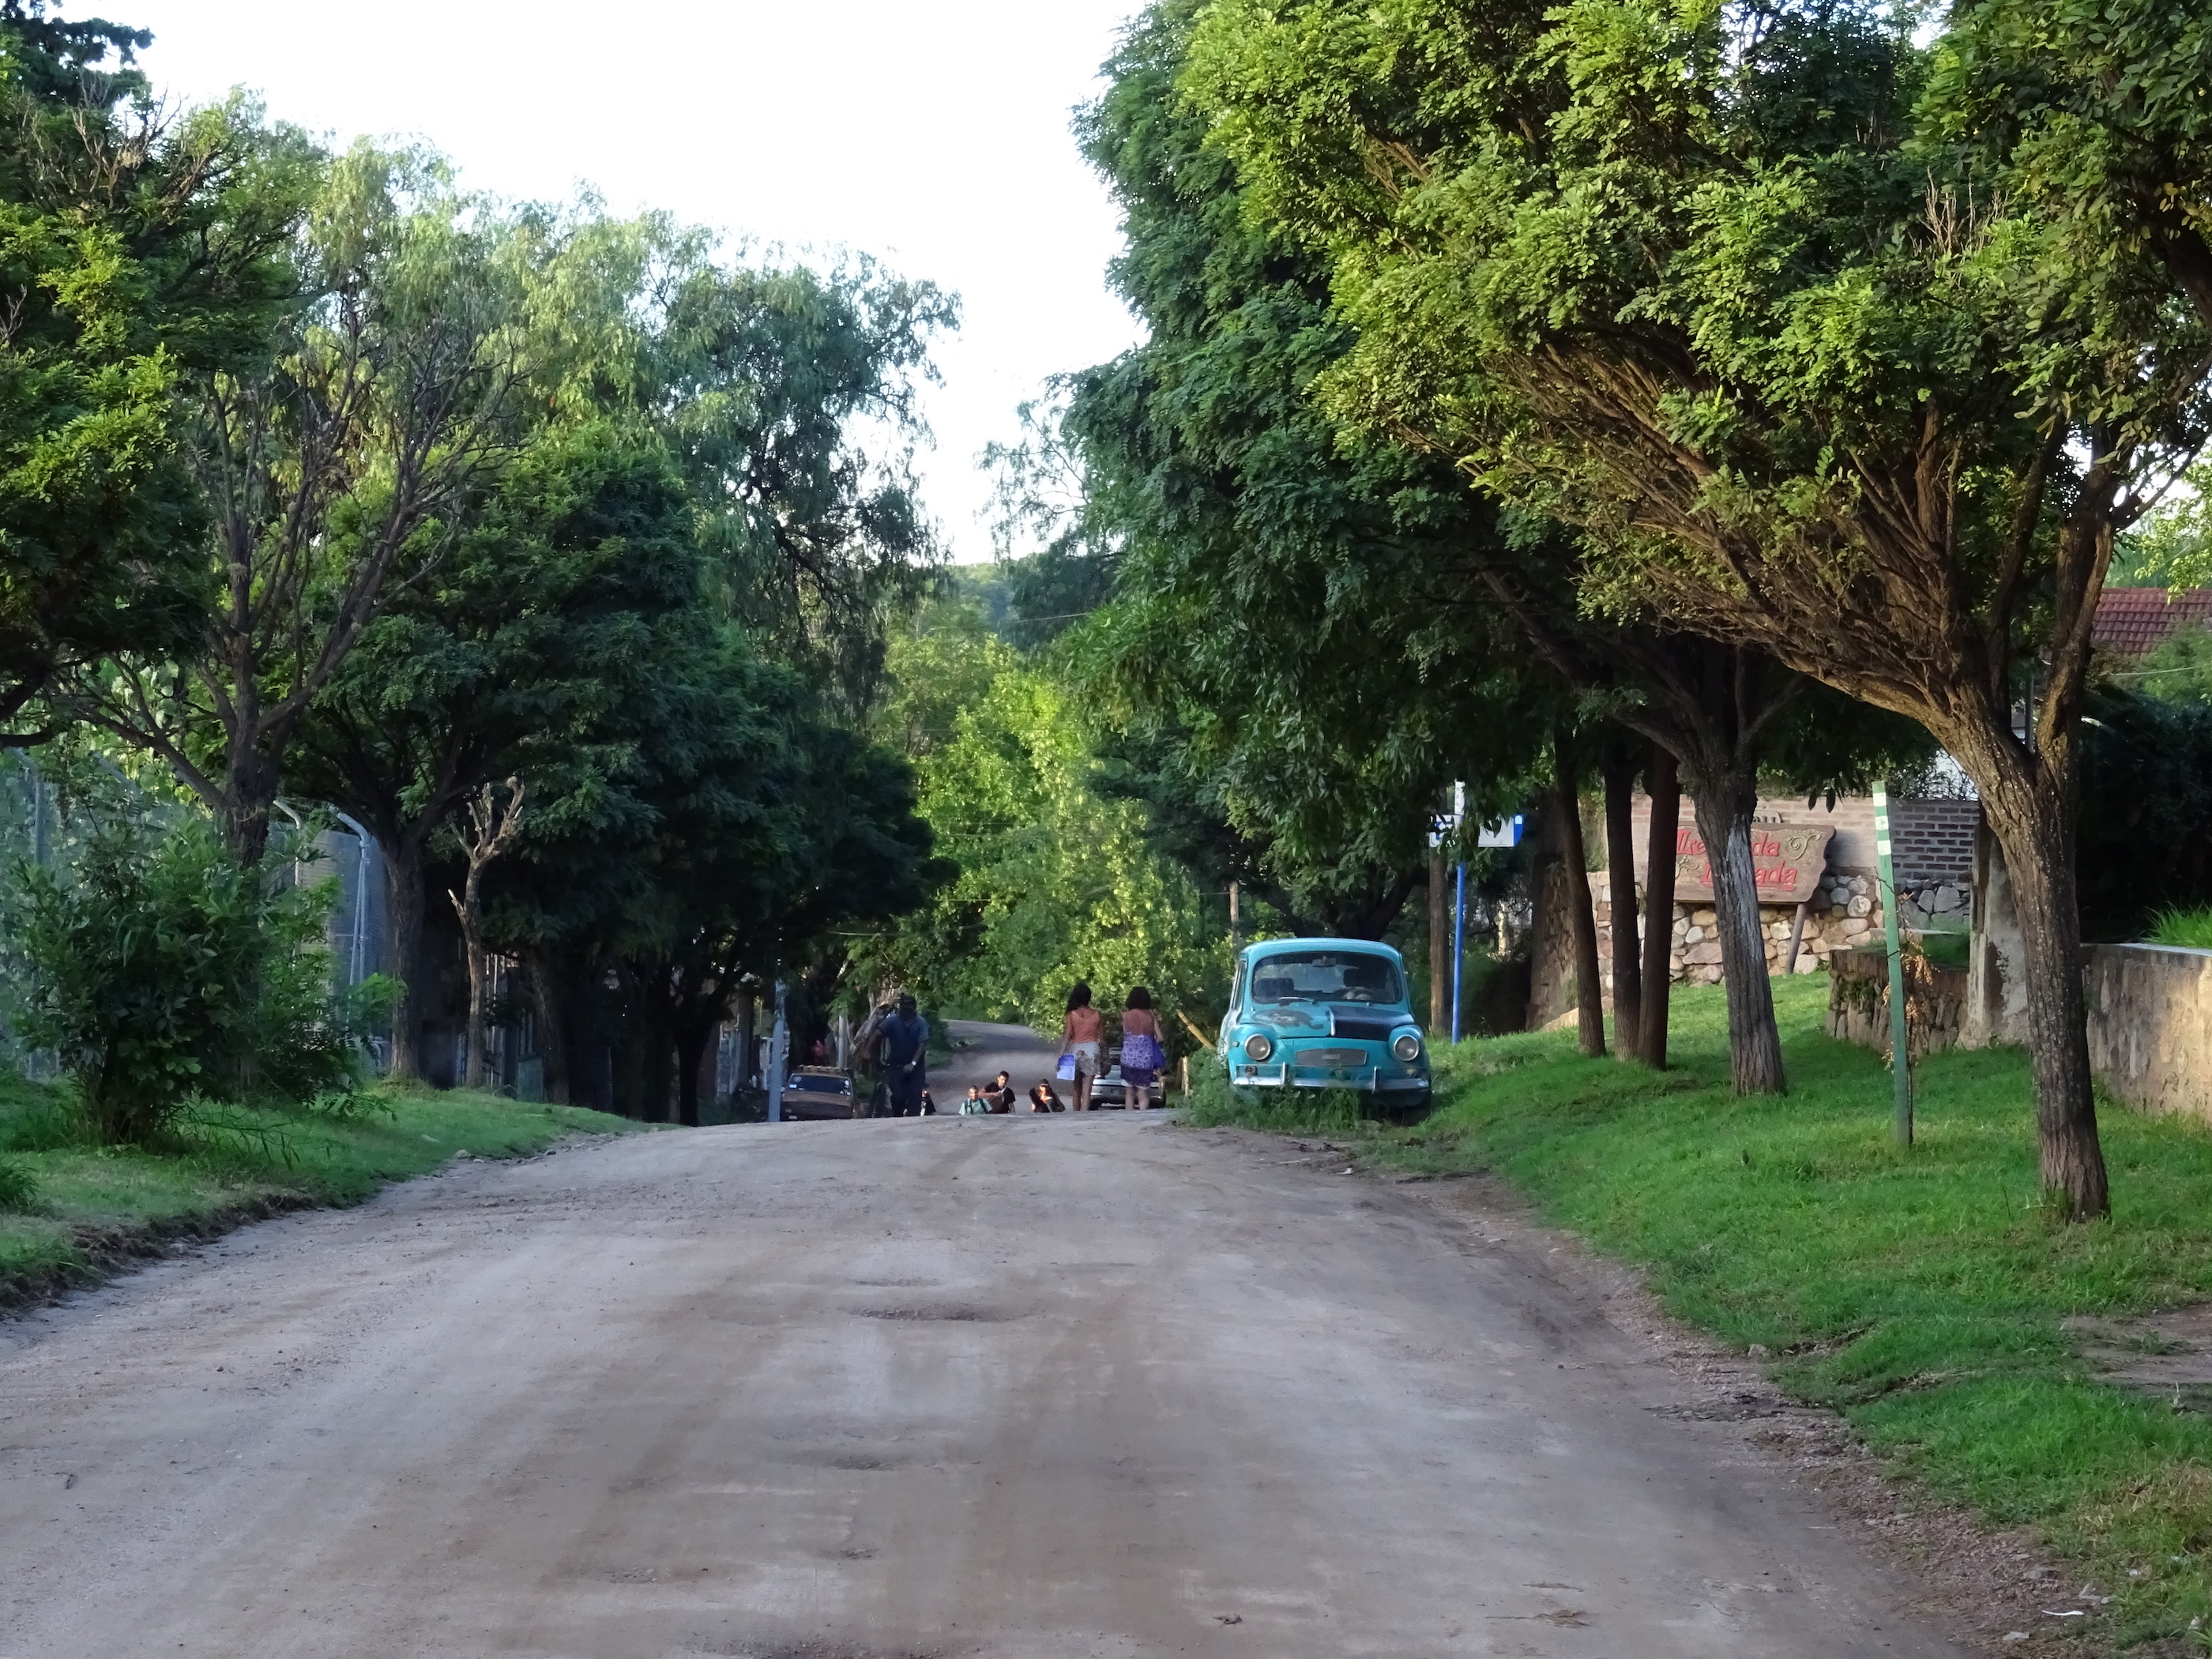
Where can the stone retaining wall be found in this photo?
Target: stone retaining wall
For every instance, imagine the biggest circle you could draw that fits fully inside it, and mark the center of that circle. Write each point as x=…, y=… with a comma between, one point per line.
x=2151, y=1025
x=1858, y=1002
x=2150, y=1016
x=1843, y=915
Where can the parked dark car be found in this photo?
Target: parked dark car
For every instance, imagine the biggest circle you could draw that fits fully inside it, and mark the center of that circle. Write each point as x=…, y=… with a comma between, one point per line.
x=818, y=1091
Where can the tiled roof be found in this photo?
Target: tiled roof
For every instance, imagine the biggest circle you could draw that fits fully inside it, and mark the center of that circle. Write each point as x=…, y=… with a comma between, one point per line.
x=2133, y=621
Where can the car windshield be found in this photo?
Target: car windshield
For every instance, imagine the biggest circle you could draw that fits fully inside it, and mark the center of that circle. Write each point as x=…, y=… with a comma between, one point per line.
x=1326, y=976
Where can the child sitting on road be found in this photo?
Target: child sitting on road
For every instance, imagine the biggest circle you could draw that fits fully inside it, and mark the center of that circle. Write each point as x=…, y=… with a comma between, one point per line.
x=1044, y=1099
x=975, y=1105
x=1000, y=1094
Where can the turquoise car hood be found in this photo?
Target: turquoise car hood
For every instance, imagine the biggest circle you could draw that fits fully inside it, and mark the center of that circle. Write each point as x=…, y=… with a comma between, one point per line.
x=1313, y=1018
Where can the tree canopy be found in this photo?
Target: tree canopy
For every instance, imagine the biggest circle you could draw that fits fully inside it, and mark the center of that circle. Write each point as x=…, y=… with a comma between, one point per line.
x=1770, y=303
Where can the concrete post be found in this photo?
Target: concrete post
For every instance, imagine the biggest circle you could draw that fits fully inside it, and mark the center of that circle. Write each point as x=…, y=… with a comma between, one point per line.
x=1997, y=990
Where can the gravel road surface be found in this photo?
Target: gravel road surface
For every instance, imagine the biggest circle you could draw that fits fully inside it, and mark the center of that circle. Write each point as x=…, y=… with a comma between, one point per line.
x=1030, y=1388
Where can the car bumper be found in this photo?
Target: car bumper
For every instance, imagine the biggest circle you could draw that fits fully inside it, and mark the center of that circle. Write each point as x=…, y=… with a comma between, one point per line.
x=1372, y=1079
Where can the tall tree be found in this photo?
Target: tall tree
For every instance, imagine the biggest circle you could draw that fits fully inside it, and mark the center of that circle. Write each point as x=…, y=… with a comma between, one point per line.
x=1690, y=280
x=140, y=252
x=337, y=469
x=1278, y=644
x=790, y=397
x=504, y=659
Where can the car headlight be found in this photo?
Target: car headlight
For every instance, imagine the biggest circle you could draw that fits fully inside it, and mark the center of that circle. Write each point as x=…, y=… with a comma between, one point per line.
x=1258, y=1047
x=1408, y=1048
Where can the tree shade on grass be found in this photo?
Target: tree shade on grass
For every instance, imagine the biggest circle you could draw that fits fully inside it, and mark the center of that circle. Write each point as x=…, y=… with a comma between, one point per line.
x=1920, y=1292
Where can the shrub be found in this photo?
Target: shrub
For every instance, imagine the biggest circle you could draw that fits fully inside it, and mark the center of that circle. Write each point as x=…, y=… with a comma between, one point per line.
x=156, y=970
x=19, y=1188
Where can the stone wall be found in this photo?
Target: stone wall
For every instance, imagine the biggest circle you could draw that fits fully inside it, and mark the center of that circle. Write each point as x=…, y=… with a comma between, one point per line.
x=2151, y=1025
x=1934, y=853
x=2150, y=1017
x=1858, y=1002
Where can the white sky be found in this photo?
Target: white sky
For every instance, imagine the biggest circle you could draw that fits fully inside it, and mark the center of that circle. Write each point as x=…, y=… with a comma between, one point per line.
x=933, y=134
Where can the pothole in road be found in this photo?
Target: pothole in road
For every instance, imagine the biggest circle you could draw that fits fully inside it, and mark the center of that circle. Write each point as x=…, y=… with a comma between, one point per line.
x=958, y=1312
x=864, y=1462
x=744, y=1649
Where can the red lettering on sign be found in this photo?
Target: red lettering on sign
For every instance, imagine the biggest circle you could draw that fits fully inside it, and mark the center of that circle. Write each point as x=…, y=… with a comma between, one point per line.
x=1786, y=862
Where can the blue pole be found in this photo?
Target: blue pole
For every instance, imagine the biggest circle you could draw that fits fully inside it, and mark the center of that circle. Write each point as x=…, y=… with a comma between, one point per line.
x=1459, y=947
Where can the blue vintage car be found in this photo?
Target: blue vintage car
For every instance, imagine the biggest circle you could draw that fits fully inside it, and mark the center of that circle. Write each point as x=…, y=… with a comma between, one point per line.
x=1325, y=1013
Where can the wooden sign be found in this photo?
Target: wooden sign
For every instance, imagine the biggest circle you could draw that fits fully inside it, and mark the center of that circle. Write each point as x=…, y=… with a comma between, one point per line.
x=1786, y=862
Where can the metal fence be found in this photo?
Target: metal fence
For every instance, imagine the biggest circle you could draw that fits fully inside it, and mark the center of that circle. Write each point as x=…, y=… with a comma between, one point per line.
x=36, y=830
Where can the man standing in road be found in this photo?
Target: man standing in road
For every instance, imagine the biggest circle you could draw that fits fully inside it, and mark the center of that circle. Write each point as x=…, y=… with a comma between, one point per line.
x=906, y=1058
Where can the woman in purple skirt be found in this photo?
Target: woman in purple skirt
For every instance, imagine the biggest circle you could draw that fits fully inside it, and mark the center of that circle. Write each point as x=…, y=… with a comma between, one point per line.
x=1142, y=1057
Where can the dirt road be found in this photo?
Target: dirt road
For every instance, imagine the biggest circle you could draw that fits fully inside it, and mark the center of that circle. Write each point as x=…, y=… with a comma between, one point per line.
x=1031, y=1388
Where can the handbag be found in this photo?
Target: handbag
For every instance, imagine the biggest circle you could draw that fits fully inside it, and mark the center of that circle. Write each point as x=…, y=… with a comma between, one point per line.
x=1067, y=1071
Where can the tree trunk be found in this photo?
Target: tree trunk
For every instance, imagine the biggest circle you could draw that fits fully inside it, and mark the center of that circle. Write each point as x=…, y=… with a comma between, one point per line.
x=250, y=783
x=1619, y=766
x=471, y=909
x=552, y=1041
x=403, y=902
x=1725, y=803
x=1439, y=947
x=1660, y=853
x=2034, y=824
x=692, y=1037
x=1589, y=989
x=653, y=1037
x=657, y=1058
x=591, y=1071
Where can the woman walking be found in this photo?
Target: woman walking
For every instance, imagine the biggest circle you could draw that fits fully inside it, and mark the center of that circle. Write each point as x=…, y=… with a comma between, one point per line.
x=1142, y=1057
x=1079, y=1037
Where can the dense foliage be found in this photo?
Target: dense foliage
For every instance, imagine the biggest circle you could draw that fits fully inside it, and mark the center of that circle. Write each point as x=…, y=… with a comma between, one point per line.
x=323, y=480
x=1853, y=346
x=157, y=969
x=138, y=251
x=1057, y=880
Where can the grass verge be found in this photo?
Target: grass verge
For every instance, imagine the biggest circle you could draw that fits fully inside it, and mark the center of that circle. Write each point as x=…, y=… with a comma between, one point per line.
x=1921, y=1292
x=90, y=1209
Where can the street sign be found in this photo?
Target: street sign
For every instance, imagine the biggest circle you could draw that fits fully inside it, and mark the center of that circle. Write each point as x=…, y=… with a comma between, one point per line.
x=1506, y=832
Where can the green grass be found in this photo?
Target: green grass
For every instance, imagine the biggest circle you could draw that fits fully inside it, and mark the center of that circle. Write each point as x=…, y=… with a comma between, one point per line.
x=1919, y=1293
x=227, y=1164
x=2190, y=929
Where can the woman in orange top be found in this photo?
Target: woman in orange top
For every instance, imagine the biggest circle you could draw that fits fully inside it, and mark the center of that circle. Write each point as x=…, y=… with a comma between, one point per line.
x=1080, y=1037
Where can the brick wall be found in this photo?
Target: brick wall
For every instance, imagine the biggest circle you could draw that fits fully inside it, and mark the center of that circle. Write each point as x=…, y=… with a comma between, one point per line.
x=1932, y=841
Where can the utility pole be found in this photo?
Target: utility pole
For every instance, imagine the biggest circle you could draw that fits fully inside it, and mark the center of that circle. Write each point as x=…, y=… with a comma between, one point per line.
x=1236, y=926
x=1435, y=930
x=1885, y=885
x=1459, y=913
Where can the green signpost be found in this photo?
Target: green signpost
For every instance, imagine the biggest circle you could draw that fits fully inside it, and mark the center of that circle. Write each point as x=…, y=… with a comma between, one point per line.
x=1885, y=885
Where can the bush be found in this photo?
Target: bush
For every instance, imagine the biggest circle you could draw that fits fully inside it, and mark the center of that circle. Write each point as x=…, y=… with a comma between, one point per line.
x=155, y=971
x=19, y=1188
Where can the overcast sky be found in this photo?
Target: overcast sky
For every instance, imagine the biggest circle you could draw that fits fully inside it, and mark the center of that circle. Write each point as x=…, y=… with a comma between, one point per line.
x=933, y=134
